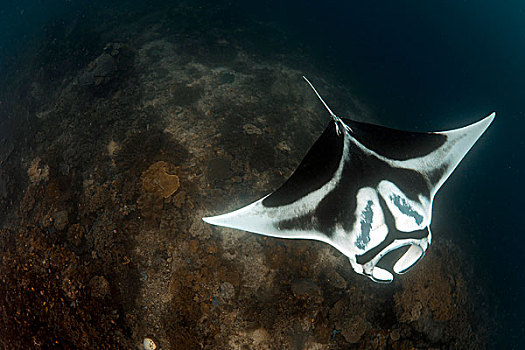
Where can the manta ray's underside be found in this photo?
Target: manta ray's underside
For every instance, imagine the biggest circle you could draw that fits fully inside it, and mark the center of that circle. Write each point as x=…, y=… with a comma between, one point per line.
x=365, y=189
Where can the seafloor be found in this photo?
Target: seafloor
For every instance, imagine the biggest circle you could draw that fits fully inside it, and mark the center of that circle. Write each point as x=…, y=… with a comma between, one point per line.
x=117, y=138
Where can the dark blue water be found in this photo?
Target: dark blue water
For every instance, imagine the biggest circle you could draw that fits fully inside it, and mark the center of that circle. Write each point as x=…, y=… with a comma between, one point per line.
x=421, y=66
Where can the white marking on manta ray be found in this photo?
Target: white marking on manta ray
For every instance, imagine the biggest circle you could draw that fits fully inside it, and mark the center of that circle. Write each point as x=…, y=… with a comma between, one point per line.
x=365, y=234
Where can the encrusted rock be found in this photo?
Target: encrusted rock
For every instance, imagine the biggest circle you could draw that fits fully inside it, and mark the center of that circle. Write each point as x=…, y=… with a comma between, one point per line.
x=336, y=279
x=428, y=290
x=353, y=329
x=227, y=291
x=75, y=233
x=305, y=288
x=61, y=220
x=6, y=148
x=100, y=71
x=218, y=170
x=251, y=129
x=37, y=173
x=112, y=148
x=3, y=186
x=99, y=287
x=395, y=335
x=283, y=147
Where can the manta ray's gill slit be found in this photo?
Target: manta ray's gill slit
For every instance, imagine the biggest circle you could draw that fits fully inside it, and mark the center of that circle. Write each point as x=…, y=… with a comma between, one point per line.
x=392, y=235
x=405, y=208
x=367, y=215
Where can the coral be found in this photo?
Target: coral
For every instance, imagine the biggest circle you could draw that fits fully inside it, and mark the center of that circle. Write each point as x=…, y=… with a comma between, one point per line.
x=353, y=329
x=435, y=302
x=45, y=301
x=350, y=319
x=112, y=148
x=36, y=172
x=426, y=290
x=100, y=287
x=157, y=180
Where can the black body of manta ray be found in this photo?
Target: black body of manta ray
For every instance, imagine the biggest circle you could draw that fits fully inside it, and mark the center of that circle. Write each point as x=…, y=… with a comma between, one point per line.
x=365, y=189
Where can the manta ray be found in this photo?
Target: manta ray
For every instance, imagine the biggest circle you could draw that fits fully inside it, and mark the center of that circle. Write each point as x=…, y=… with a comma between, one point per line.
x=365, y=189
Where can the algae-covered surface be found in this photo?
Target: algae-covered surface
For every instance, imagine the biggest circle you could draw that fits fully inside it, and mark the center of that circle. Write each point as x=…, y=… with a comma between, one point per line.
x=121, y=137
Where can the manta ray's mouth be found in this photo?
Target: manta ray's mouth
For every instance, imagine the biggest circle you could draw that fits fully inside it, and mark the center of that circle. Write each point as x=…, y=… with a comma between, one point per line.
x=386, y=247
x=402, y=259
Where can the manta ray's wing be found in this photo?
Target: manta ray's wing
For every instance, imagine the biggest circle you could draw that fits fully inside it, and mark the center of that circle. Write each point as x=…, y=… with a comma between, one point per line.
x=364, y=189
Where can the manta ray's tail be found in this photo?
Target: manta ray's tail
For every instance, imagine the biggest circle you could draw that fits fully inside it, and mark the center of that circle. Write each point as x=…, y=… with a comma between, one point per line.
x=336, y=119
